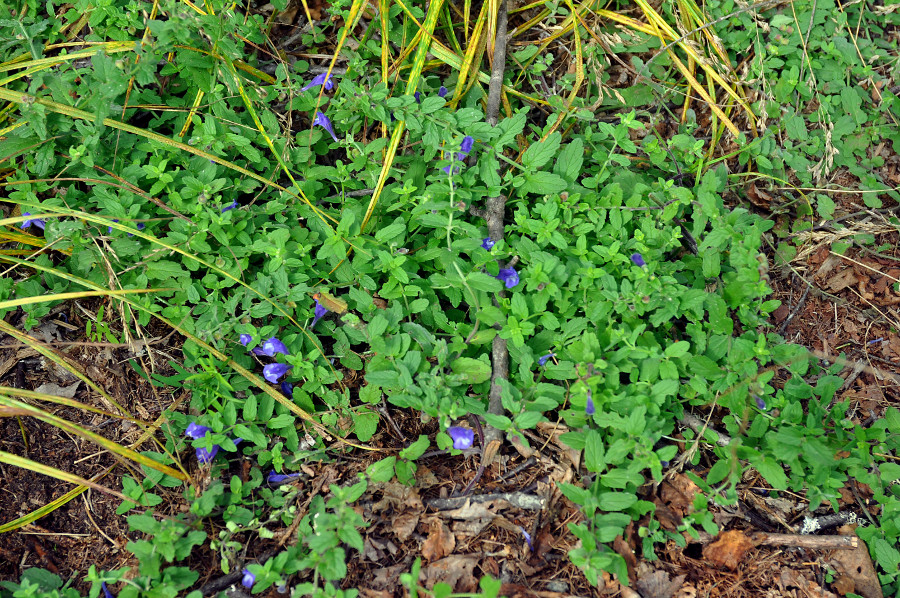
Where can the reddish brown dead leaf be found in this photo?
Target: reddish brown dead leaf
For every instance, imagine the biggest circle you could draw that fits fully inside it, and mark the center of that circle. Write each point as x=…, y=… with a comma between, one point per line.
x=625, y=551
x=678, y=493
x=656, y=584
x=440, y=541
x=729, y=549
x=841, y=280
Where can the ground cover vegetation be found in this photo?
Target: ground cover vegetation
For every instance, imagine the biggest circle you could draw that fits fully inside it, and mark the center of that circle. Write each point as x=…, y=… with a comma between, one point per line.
x=396, y=242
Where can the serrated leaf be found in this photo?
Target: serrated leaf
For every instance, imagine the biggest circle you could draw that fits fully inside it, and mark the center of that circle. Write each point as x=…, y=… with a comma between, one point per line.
x=543, y=183
x=364, y=425
x=570, y=161
x=541, y=152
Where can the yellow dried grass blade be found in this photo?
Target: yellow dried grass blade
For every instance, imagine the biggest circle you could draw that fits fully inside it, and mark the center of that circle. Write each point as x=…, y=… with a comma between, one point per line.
x=22, y=408
x=24, y=463
x=664, y=31
x=48, y=508
x=471, y=59
x=50, y=354
x=427, y=29
x=452, y=59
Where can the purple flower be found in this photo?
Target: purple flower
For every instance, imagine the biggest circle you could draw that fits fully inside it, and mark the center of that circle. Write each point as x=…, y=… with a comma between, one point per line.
x=488, y=243
x=273, y=346
x=760, y=402
x=543, y=359
x=230, y=206
x=281, y=588
x=140, y=226
x=418, y=96
x=465, y=147
x=248, y=580
x=274, y=371
x=320, y=79
x=205, y=456
x=442, y=92
x=195, y=431
x=106, y=592
x=509, y=277
x=638, y=260
x=277, y=478
x=589, y=406
x=323, y=122
x=287, y=389
x=320, y=311
x=527, y=538
x=109, y=228
x=462, y=437
x=35, y=221
x=246, y=339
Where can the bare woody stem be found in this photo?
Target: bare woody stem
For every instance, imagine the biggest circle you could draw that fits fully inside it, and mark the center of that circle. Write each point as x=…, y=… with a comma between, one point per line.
x=493, y=215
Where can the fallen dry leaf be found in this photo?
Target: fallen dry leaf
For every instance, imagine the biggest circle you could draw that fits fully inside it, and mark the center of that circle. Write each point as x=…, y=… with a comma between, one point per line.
x=656, y=584
x=404, y=525
x=793, y=579
x=729, y=549
x=455, y=571
x=857, y=566
x=440, y=541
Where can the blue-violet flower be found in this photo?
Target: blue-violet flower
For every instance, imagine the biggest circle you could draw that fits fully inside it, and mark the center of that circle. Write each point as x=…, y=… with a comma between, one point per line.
x=106, y=592
x=488, y=243
x=509, y=277
x=277, y=478
x=274, y=371
x=638, y=260
x=230, y=206
x=462, y=437
x=442, y=92
x=527, y=538
x=543, y=359
x=273, y=346
x=323, y=122
x=320, y=79
x=246, y=339
x=319, y=313
x=248, y=580
x=760, y=402
x=287, y=389
x=418, y=96
x=38, y=222
x=589, y=406
x=464, y=148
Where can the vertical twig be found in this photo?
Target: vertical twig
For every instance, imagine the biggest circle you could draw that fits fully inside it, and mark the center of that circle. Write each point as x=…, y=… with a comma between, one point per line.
x=493, y=215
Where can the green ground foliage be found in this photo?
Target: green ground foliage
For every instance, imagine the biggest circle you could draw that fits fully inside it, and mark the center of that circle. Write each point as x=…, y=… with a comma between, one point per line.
x=159, y=154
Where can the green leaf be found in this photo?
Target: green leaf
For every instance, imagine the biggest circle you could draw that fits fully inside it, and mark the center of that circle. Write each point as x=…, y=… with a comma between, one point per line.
x=281, y=421
x=543, y=183
x=163, y=269
x=772, y=472
x=678, y=349
x=475, y=371
x=570, y=161
x=365, y=424
x=616, y=501
x=382, y=471
x=541, y=152
x=416, y=449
